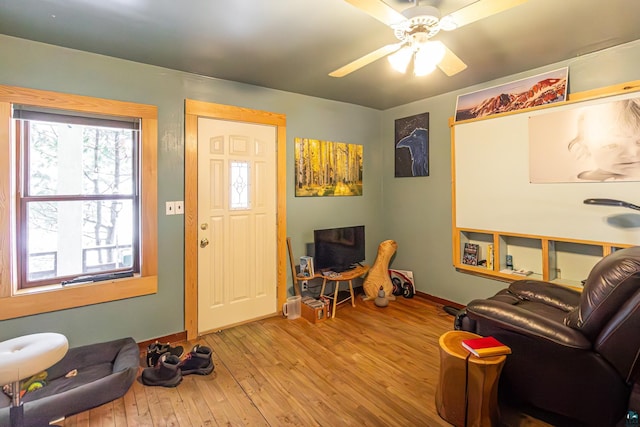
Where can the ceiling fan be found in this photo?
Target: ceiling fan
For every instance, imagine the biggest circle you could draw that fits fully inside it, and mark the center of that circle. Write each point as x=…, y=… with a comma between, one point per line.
x=414, y=27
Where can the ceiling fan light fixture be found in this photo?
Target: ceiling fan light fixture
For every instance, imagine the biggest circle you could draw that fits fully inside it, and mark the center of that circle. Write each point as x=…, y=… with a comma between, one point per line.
x=427, y=57
x=422, y=68
x=400, y=59
x=434, y=51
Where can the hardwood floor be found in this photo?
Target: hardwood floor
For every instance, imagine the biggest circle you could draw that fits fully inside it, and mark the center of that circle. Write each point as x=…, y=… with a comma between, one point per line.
x=369, y=366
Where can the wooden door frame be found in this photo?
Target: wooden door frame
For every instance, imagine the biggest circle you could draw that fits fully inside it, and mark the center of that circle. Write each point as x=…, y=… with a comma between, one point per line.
x=194, y=110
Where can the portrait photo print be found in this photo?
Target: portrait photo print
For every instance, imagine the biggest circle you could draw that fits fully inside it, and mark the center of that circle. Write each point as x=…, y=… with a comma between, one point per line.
x=596, y=142
x=411, y=144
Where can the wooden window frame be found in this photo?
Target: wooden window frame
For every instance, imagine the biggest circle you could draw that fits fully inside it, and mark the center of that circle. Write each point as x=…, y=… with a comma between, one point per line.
x=16, y=303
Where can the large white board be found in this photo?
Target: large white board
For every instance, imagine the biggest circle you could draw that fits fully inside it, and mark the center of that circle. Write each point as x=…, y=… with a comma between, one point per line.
x=493, y=191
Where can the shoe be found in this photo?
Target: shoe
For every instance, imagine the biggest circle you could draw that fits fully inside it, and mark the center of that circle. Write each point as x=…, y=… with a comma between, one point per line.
x=198, y=361
x=155, y=350
x=165, y=374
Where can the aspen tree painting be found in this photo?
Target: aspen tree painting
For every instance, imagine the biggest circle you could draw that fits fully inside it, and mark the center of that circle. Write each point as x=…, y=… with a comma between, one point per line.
x=325, y=168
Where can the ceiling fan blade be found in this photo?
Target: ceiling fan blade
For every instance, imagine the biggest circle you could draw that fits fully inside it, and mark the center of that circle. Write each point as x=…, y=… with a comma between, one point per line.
x=451, y=64
x=365, y=60
x=379, y=10
x=479, y=10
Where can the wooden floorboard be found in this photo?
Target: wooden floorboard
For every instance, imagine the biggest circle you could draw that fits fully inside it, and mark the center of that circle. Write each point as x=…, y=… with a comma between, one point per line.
x=369, y=366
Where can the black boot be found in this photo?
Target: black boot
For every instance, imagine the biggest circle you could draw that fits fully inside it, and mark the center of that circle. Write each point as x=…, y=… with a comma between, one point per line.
x=155, y=350
x=166, y=373
x=198, y=361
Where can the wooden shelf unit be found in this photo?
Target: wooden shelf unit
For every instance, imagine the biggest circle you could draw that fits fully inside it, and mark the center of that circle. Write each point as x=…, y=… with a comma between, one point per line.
x=506, y=193
x=563, y=261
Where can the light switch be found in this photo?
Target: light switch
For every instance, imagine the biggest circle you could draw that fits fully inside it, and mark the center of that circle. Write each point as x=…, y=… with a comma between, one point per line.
x=179, y=207
x=171, y=208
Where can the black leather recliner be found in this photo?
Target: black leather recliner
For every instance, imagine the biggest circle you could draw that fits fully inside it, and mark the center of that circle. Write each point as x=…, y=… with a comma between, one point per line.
x=574, y=354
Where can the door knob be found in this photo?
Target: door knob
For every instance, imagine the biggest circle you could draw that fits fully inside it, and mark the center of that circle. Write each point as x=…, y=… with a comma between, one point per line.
x=204, y=242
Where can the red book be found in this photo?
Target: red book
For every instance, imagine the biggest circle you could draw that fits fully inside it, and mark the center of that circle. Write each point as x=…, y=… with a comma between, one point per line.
x=485, y=347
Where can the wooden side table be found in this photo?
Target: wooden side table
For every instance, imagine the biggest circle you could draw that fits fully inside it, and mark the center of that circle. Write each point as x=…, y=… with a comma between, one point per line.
x=478, y=375
x=345, y=276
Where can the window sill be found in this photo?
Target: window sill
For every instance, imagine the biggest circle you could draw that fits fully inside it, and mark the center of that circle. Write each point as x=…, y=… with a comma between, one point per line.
x=56, y=297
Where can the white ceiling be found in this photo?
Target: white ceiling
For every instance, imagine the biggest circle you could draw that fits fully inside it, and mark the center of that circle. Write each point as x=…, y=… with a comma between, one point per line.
x=292, y=45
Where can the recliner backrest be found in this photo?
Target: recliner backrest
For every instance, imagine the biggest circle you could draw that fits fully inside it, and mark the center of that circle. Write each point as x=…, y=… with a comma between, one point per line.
x=611, y=282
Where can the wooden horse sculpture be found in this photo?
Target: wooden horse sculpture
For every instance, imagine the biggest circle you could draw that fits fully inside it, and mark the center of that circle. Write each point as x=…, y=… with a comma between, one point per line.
x=379, y=274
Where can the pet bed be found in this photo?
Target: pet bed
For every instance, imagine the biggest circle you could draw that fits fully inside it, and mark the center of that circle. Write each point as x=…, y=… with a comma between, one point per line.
x=103, y=372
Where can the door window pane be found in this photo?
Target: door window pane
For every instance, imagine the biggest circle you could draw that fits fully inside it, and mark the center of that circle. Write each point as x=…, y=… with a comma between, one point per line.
x=239, y=185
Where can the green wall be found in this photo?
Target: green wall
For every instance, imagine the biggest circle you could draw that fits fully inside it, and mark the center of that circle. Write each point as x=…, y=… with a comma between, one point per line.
x=36, y=65
x=416, y=212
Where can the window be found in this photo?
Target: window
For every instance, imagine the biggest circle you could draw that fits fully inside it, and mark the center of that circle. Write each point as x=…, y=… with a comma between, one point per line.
x=80, y=180
x=77, y=189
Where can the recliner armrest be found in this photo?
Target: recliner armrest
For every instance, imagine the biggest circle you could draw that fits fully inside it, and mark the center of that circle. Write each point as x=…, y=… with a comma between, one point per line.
x=519, y=320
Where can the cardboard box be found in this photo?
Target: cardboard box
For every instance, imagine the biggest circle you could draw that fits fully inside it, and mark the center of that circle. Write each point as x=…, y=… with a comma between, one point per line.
x=314, y=310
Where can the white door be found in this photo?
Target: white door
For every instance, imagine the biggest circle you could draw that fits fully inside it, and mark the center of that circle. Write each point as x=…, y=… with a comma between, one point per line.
x=237, y=258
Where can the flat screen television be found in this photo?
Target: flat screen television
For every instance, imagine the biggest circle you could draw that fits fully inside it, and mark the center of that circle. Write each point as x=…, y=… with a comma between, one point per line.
x=338, y=249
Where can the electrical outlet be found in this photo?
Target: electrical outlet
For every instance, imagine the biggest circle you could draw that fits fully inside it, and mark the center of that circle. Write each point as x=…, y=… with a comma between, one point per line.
x=180, y=207
x=304, y=286
x=170, y=208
